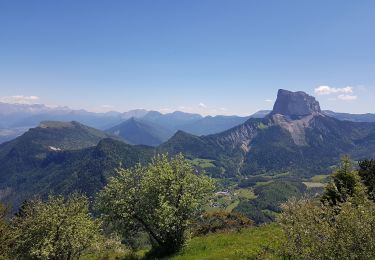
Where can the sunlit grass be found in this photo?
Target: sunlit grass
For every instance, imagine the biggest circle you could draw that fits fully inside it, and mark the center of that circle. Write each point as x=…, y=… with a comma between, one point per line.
x=319, y=178
x=246, y=244
x=203, y=163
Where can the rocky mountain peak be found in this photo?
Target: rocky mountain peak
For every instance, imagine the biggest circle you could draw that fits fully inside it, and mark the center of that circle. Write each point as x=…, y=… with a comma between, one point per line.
x=295, y=104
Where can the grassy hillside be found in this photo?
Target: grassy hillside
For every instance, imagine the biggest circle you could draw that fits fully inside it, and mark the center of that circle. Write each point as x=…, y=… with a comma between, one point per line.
x=251, y=243
x=245, y=244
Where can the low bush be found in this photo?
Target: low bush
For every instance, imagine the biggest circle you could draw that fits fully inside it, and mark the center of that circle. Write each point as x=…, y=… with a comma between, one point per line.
x=220, y=221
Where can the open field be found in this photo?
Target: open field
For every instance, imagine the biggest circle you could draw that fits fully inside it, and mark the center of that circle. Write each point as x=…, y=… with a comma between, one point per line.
x=310, y=185
x=246, y=244
x=319, y=178
x=203, y=163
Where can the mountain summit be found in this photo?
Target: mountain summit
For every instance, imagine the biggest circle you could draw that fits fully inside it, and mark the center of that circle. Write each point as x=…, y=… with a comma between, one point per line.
x=296, y=137
x=295, y=104
x=137, y=131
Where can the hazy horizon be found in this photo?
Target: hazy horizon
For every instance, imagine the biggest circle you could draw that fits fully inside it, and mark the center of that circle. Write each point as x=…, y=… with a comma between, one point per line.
x=23, y=100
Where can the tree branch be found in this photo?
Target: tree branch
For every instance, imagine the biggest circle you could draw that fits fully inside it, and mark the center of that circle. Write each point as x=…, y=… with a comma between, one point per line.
x=149, y=230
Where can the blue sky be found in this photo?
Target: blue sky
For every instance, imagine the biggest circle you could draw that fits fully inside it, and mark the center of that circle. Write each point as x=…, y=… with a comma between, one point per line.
x=206, y=56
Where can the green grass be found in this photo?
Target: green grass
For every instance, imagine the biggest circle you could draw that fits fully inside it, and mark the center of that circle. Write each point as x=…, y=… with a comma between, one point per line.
x=231, y=206
x=228, y=203
x=250, y=243
x=273, y=175
x=111, y=254
x=245, y=193
x=246, y=244
x=319, y=178
x=270, y=213
x=203, y=163
x=310, y=185
x=262, y=126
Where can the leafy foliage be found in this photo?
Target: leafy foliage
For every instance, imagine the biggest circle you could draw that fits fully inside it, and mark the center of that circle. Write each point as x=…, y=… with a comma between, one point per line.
x=367, y=174
x=4, y=232
x=56, y=229
x=339, y=226
x=317, y=231
x=269, y=197
x=161, y=199
x=345, y=184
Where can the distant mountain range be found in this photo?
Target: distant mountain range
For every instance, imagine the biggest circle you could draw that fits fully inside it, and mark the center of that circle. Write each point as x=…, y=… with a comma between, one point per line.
x=296, y=138
x=351, y=117
x=23, y=115
x=146, y=127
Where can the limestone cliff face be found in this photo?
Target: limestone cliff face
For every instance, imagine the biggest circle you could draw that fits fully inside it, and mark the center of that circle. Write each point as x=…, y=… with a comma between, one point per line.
x=240, y=136
x=293, y=111
x=296, y=127
x=295, y=104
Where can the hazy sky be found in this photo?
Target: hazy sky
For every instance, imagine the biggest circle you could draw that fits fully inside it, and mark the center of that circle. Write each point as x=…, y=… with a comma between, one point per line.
x=206, y=56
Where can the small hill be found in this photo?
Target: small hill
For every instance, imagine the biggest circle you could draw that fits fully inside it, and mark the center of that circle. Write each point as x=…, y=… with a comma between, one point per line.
x=55, y=135
x=191, y=145
x=61, y=157
x=63, y=172
x=136, y=131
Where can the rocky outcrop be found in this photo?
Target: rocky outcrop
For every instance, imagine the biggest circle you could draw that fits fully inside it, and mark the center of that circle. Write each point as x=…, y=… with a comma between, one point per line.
x=293, y=111
x=240, y=136
x=295, y=104
x=296, y=128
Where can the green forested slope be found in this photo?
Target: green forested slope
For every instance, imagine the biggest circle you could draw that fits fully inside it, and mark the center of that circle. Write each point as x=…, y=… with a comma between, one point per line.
x=80, y=159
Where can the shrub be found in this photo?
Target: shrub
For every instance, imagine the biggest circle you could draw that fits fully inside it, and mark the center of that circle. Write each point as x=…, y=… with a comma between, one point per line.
x=317, y=231
x=56, y=229
x=4, y=232
x=367, y=174
x=220, y=221
x=161, y=199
